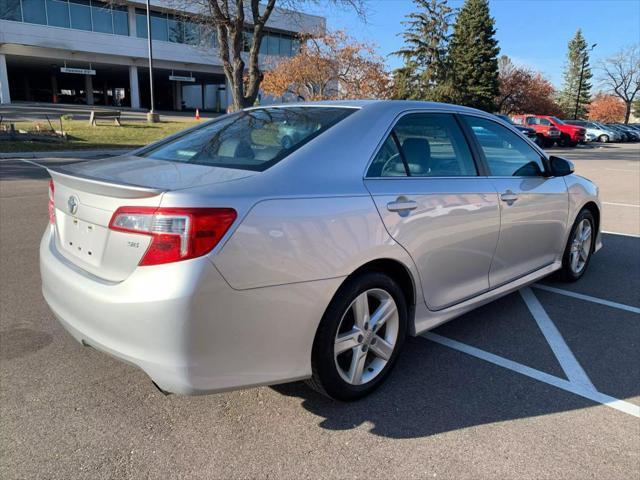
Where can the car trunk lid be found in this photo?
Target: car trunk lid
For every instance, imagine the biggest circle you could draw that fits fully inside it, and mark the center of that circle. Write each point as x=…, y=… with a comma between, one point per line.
x=87, y=194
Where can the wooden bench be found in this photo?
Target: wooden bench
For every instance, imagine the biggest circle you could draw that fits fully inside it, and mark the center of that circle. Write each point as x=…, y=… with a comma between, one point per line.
x=104, y=114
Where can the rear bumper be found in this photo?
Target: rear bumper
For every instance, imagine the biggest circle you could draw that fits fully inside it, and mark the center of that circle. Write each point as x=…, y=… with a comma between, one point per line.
x=184, y=326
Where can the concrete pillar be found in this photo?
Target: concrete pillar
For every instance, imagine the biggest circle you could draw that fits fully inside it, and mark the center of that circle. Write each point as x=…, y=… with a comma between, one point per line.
x=177, y=103
x=54, y=88
x=133, y=86
x=88, y=87
x=105, y=93
x=5, y=96
x=131, y=10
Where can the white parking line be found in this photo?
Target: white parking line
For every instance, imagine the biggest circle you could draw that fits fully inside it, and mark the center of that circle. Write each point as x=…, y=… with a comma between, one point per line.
x=632, y=235
x=621, y=204
x=570, y=365
x=561, y=383
x=588, y=298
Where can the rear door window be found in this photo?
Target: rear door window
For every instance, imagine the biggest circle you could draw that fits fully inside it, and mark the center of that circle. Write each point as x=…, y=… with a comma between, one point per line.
x=249, y=140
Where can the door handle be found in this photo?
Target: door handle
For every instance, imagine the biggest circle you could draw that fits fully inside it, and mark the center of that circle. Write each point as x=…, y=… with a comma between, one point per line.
x=402, y=205
x=508, y=197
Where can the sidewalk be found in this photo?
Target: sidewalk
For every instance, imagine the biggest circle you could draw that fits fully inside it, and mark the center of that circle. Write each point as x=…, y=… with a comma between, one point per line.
x=85, y=154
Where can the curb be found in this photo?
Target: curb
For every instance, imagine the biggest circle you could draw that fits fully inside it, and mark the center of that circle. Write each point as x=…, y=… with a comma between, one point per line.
x=65, y=154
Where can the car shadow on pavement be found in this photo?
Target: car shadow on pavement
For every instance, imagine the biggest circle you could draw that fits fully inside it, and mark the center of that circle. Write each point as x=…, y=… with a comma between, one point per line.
x=435, y=389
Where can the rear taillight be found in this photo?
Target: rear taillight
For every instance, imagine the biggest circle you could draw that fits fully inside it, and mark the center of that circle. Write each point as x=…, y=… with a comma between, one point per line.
x=176, y=233
x=52, y=208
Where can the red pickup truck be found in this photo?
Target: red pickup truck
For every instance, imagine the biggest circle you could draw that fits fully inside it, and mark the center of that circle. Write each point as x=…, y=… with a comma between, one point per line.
x=552, y=129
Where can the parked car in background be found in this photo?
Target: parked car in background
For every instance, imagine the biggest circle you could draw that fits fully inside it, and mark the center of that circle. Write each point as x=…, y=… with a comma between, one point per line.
x=225, y=257
x=601, y=133
x=526, y=131
x=633, y=134
x=626, y=136
x=571, y=134
x=590, y=137
x=546, y=133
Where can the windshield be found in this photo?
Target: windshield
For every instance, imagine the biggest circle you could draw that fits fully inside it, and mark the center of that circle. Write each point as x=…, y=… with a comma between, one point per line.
x=557, y=120
x=249, y=140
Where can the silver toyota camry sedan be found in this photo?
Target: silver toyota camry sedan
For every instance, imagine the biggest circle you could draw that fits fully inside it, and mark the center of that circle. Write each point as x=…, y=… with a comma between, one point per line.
x=306, y=241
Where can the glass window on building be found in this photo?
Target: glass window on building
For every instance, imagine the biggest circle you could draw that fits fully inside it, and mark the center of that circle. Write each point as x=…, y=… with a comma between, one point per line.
x=273, y=44
x=141, y=23
x=58, y=13
x=285, y=45
x=10, y=10
x=33, y=11
x=159, y=30
x=295, y=46
x=191, y=33
x=102, y=18
x=80, y=11
x=247, y=40
x=176, y=29
x=120, y=20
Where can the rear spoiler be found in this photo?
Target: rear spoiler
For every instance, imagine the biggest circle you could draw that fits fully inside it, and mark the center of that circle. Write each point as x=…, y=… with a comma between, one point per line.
x=100, y=186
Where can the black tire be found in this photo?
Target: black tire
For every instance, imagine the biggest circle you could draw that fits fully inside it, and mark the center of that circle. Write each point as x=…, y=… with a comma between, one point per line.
x=603, y=138
x=325, y=376
x=566, y=273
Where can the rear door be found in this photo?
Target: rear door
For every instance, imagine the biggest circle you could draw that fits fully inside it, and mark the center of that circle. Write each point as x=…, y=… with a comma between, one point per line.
x=433, y=202
x=534, y=206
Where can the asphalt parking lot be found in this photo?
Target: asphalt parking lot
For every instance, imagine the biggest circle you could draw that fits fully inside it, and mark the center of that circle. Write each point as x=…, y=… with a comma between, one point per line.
x=544, y=383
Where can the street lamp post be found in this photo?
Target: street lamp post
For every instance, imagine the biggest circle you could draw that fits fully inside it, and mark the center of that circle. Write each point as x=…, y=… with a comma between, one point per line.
x=152, y=116
x=584, y=61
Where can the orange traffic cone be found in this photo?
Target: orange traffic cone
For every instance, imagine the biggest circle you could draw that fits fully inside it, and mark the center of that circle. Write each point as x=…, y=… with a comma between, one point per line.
x=197, y=114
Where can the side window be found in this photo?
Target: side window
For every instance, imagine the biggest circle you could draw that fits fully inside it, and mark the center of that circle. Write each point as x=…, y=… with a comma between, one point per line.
x=424, y=145
x=506, y=153
x=545, y=122
x=532, y=121
x=387, y=162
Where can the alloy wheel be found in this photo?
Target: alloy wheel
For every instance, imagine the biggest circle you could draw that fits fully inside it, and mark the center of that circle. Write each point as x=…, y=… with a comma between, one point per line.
x=366, y=336
x=581, y=246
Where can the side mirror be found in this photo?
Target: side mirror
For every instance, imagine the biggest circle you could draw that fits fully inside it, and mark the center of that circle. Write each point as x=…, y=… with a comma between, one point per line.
x=561, y=167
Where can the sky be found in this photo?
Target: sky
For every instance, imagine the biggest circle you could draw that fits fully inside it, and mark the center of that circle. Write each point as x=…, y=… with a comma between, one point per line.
x=534, y=33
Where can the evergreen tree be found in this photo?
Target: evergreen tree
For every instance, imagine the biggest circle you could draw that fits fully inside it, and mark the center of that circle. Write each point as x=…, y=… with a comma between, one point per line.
x=577, y=53
x=425, y=46
x=473, y=57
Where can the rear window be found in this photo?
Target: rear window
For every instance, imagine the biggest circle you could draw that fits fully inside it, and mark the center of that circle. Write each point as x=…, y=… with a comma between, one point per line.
x=249, y=140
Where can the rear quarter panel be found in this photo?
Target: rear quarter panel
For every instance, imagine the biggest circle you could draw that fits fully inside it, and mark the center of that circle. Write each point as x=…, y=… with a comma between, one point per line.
x=294, y=240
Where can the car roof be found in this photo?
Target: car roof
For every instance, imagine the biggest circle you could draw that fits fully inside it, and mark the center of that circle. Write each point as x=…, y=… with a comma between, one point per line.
x=387, y=105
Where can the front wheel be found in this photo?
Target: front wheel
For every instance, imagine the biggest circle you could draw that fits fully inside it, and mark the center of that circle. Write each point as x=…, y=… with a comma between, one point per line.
x=603, y=138
x=579, y=249
x=359, y=337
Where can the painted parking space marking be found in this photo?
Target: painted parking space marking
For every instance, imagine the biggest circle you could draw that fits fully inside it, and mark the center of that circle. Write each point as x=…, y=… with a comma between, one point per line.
x=578, y=381
x=588, y=298
x=560, y=383
x=570, y=365
x=632, y=205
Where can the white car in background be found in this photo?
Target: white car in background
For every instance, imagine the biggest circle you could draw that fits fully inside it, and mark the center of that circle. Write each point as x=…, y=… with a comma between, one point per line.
x=597, y=131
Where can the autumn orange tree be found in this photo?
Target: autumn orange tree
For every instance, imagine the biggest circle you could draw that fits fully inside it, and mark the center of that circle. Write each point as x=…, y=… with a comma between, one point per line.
x=329, y=67
x=523, y=90
x=607, y=108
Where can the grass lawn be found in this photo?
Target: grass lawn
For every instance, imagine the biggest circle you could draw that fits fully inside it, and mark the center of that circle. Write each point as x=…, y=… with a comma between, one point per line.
x=83, y=136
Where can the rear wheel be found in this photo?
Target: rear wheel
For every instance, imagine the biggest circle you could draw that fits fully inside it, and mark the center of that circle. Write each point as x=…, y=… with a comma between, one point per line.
x=359, y=337
x=603, y=138
x=579, y=248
